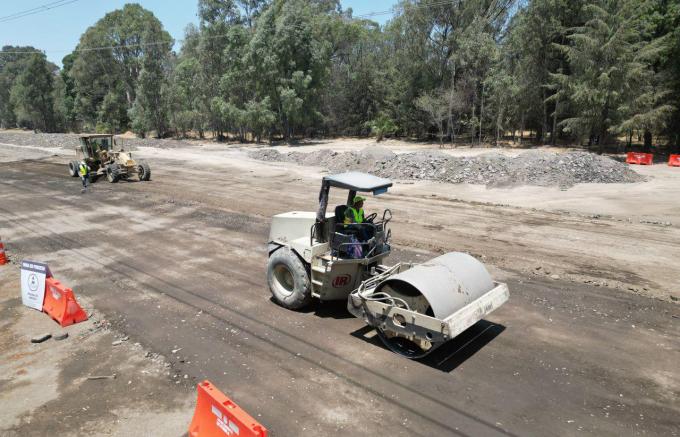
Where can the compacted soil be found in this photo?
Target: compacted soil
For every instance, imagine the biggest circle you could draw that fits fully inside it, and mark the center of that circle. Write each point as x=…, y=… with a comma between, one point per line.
x=587, y=344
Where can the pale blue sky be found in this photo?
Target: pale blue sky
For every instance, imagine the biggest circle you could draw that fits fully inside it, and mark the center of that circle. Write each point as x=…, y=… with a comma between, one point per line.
x=57, y=30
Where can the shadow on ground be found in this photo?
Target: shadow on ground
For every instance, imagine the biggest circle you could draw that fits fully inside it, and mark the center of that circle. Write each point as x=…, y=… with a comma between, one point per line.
x=454, y=352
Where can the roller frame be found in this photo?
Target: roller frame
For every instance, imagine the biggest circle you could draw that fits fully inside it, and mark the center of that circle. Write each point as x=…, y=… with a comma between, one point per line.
x=385, y=316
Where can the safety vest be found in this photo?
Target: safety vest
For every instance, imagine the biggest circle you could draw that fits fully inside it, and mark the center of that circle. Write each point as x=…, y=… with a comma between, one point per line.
x=358, y=215
x=82, y=169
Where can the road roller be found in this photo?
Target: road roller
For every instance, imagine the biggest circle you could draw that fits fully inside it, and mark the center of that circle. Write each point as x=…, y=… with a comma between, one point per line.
x=414, y=308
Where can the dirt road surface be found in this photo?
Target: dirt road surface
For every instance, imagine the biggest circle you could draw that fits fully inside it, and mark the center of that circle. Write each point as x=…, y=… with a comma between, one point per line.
x=588, y=344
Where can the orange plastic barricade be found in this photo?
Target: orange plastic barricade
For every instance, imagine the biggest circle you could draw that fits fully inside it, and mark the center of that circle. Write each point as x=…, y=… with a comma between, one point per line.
x=3, y=257
x=673, y=161
x=639, y=158
x=60, y=304
x=217, y=415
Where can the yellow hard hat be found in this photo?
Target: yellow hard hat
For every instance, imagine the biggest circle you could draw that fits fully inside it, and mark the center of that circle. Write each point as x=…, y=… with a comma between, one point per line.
x=358, y=199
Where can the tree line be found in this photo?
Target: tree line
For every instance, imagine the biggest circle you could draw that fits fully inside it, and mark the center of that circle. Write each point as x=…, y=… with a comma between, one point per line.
x=592, y=72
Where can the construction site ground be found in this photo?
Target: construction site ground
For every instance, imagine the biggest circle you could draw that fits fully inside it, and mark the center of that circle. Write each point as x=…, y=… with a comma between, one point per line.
x=172, y=273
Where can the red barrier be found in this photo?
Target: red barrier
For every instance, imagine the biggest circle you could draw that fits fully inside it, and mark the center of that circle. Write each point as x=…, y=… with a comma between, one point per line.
x=60, y=304
x=217, y=415
x=639, y=158
x=3, y=257
x=674, y=161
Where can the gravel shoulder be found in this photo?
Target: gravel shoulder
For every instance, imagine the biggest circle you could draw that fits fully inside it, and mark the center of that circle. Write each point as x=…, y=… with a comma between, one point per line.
x=45, y=390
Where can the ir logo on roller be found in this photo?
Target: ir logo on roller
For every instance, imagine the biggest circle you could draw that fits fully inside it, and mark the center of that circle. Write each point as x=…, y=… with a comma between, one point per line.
x=341, y=281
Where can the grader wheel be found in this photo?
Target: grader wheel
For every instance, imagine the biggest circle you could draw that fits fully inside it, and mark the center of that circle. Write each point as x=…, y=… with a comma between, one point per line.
x=73, y=168
x=113, y=173
x=144, y=171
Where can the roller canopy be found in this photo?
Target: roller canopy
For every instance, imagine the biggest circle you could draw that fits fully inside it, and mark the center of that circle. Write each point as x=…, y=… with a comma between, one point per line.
x=357, y=181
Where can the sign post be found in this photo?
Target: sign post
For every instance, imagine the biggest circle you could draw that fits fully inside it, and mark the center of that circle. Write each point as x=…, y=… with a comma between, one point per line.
x=33, y=275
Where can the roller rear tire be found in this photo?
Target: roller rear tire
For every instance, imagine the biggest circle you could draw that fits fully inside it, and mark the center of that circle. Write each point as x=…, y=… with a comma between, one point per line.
x=288, y=279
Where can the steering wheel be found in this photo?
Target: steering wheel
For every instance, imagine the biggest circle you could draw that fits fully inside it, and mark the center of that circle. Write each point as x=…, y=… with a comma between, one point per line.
x=370, y=217
x=387, y=216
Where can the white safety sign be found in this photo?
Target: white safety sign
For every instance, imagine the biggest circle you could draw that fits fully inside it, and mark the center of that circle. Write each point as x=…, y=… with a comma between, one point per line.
x=33, y=276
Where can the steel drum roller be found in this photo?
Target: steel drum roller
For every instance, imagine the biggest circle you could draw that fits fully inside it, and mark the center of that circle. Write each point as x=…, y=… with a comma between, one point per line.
x=448, y=282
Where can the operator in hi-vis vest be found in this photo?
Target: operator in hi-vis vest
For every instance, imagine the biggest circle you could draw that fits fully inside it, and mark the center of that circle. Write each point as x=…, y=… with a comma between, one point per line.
x=355, y=214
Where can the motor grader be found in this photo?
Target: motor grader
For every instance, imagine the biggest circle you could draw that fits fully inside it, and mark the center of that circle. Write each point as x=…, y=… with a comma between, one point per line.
x=104, y=156
x=414, y=308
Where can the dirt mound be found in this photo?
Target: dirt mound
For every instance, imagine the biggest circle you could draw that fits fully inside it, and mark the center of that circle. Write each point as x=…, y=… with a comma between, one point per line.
x=534, y=167
x=64, y=141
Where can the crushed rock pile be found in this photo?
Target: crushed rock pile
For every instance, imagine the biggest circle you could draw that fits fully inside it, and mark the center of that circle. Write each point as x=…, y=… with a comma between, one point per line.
x=69, y=141
x=63, y=141
x=536, y=167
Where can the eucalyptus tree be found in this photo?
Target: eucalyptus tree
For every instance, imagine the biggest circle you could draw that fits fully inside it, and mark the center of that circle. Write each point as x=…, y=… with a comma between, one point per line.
x=289, y=65
x=108, y=62
x=31, y=95
x=13, y=60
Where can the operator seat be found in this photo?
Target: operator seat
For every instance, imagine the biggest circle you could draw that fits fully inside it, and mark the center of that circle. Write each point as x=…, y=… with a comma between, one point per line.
x=340, y=214
x=340, y=233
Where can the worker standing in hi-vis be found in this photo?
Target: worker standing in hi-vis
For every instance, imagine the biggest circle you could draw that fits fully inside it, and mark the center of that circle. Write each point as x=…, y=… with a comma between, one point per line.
x=84, y=172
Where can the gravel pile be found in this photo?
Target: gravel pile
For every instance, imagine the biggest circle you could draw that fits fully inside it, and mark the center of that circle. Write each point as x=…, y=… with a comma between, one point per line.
x=534, y=167
x=69, y=141
x=64, y=141
x=153, y=142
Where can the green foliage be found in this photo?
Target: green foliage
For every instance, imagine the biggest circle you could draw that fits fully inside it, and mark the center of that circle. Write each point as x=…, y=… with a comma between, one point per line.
x=111, y=115
x=600, y=55
x=259, y=117
x=12, y=65
x=669, y=25
x=435, y=105
x=503, y=93
x=65, y=95
x=31, y=95
x=531, y=52
x=107, y=82
x=182, y=97
x=382, y=126
x=149, y=109
x=467, y=70
x=611, y=84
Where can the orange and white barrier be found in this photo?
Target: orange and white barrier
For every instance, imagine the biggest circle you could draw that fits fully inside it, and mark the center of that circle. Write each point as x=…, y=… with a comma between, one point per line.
x=673, y=161
x=639, y=158
x=60, y=304
x=217, y=416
